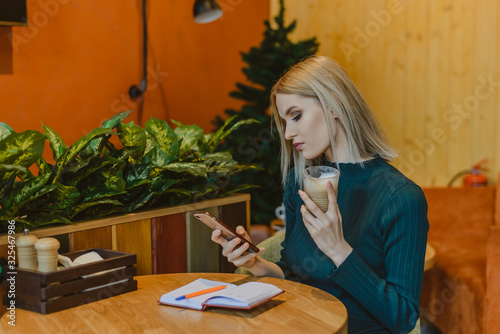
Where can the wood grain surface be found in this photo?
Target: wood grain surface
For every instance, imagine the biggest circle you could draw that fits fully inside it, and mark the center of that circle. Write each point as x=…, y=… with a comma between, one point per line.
x=301, y=309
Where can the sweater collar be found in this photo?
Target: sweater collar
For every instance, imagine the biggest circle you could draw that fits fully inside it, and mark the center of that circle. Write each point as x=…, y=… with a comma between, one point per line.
x=359, y=169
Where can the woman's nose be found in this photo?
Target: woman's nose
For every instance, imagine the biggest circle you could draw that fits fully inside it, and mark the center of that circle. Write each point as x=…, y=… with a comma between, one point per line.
x=289, y=133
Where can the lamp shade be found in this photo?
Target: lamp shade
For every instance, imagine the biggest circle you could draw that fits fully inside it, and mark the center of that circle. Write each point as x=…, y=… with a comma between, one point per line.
x=206, y=11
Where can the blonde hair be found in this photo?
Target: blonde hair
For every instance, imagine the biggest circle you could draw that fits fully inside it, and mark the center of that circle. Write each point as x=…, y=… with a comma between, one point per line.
x=323, y=78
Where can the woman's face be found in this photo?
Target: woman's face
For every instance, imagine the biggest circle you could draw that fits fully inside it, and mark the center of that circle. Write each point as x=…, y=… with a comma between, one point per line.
x=305, y=125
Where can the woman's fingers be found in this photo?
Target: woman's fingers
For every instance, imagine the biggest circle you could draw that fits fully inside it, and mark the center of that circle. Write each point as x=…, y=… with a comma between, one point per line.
x=308, y=218
x=241, y=231
x=332, y=198
x=313, y=208
x=230, y=246
x=218, y=238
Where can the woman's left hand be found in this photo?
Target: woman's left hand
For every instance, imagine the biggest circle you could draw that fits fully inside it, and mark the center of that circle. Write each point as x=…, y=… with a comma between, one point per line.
x=326, y=227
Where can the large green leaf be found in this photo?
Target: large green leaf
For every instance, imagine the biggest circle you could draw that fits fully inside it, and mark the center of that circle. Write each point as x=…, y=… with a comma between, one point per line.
x=105, y=182
x=73, y=150
x=162, y=183
x=64, y=197
x=5, y=130
x=151, y=143
x=15, y=170
x=165, y=136
x=32, y=203
x=22, y=149
x=222, y=132
x=96, y=145
x=56, y=143
x=219, y=156
x=138, y=201
x=80, y=171
x=194, y=168
x=6, y=187
x=136, y=173
x=113, y=121
x=81, y=207
x=131, y=134
x=44, y=167
x=27, y=189
x=188, y=137
x=232, y=167
x=158, y=158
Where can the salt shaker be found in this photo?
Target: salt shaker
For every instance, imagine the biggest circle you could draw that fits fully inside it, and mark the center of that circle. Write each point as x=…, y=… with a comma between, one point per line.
x=26, y=252
x=47, y=254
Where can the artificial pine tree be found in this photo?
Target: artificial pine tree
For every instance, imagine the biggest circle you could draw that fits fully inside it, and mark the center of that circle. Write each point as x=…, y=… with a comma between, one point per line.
x=259, y=143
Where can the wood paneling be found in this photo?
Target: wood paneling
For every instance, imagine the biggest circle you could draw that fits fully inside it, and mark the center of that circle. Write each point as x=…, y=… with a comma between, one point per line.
x=428, y=68
x=95, y=238
x=232, y=215
x=203, y=255
x=135, y=237
x=168, y=235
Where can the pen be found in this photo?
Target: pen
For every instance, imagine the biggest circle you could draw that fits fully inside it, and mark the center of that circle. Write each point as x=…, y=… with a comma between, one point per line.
x=201, y=292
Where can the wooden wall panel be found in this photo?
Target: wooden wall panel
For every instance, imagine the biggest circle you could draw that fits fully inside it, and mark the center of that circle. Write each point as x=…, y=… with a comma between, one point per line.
x=135, y=237
x=233, y=215
x=95, y=238
x=428, y=68
x=168, y=235
x=202, y=252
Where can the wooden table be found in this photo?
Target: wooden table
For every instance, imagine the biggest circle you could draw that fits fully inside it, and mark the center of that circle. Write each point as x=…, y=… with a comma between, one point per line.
x=301, y=309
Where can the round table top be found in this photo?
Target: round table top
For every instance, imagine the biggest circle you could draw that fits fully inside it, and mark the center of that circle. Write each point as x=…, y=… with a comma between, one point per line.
x=302, y=308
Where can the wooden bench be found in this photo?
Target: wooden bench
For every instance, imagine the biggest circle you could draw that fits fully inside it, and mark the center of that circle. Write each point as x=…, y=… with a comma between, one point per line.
x=459, y=291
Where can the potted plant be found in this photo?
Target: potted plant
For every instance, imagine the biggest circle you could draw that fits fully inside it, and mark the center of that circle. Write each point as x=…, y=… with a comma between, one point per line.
x=98, y=176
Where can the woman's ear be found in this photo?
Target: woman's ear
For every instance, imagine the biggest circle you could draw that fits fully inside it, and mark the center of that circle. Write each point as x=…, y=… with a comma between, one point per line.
x=334, y=116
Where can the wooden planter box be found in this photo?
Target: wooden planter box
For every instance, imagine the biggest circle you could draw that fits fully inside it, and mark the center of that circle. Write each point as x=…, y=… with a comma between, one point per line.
x=65, y=288
x=165, y=240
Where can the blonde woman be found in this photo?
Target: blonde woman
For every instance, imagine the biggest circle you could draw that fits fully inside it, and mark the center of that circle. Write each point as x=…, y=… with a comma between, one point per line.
x=368, y=249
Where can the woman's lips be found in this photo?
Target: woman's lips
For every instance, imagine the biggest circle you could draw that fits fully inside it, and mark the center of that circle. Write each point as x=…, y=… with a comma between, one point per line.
x=298, y=146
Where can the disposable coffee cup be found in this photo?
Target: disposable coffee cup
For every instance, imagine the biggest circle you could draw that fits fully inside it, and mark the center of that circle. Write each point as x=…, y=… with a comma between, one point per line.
x=315, y=180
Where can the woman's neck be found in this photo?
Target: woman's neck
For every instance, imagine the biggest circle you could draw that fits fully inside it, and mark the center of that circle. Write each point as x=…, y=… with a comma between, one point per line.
x=344, y=154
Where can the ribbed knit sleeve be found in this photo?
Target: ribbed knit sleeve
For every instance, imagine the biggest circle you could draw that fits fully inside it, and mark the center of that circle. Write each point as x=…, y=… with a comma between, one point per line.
x=394, y=299
x=289, y=197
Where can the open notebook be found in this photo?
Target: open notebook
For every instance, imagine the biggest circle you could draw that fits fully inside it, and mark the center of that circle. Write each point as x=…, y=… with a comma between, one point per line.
x=244, y=296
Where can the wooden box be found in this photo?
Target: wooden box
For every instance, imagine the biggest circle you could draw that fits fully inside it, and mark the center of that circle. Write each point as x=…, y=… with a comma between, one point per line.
x=65, y=288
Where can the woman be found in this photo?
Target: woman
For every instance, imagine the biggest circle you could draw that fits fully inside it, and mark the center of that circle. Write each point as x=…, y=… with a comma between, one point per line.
x=368, y=249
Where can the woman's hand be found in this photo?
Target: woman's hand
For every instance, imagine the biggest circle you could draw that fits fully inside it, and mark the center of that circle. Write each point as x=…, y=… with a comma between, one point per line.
x=233, y=254
x=326, y=227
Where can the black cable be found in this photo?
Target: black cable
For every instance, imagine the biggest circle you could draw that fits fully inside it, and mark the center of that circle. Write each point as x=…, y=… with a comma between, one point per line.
x=136, y=92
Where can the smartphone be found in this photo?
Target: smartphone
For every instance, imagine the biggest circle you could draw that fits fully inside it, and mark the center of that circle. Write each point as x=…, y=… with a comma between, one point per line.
x=226, y=232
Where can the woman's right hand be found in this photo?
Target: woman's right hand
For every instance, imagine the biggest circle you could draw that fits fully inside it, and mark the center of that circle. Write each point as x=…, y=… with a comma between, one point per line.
x=233, y=253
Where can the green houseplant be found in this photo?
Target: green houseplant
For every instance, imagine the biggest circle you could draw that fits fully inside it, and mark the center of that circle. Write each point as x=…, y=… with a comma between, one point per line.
x=147, y=168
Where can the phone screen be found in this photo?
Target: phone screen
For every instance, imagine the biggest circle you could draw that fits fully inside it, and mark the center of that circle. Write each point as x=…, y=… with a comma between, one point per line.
x=226, y=232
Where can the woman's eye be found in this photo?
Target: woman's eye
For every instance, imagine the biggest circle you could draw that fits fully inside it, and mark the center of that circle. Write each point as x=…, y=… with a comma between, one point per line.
x=296, y=117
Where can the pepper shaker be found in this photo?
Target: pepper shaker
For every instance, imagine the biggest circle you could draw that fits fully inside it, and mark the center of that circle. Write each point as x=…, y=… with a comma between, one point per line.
x=26, y=252
x=47, y=254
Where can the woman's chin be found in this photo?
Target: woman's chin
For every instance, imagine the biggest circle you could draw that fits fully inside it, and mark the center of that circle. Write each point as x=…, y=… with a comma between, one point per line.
x=307, y=156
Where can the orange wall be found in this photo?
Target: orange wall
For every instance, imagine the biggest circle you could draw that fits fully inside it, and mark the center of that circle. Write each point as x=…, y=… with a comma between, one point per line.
x=73, y=65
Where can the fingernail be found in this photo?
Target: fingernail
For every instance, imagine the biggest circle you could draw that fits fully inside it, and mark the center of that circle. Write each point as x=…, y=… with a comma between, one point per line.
x=329, y=185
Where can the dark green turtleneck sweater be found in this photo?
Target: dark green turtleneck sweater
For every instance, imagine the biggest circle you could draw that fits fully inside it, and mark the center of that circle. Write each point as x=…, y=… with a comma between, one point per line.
x=384, y=219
